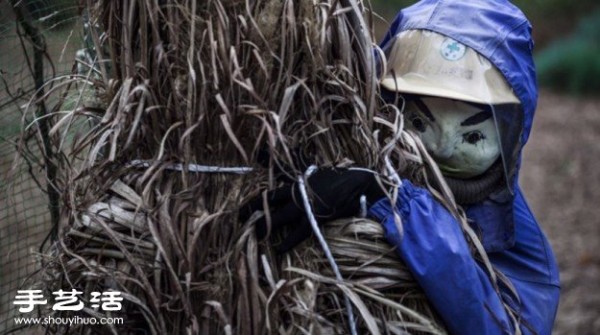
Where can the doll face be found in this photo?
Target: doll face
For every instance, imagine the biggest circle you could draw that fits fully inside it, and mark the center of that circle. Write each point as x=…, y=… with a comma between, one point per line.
x=460, y=137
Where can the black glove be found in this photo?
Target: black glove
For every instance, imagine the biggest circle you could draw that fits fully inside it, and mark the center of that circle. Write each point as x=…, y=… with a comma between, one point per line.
x=334, y=194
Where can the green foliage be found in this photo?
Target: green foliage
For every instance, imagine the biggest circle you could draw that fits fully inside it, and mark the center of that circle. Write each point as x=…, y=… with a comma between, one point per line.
x=572, y=64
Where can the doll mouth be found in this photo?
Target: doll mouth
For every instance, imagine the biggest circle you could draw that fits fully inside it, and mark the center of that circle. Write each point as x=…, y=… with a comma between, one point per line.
x=447, y=168
x=450, y=171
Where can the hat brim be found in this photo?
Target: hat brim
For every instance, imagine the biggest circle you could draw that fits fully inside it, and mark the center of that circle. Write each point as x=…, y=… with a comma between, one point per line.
x=421, y=86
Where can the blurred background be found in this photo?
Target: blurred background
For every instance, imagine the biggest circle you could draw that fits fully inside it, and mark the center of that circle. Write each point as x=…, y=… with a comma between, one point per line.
x=560, y=174
x=561, y=165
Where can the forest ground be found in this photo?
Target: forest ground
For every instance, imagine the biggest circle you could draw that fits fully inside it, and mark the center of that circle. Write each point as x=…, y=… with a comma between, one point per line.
x=560, y=177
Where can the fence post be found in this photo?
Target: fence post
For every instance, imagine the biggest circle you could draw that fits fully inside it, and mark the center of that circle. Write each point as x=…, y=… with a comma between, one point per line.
x=39, y=49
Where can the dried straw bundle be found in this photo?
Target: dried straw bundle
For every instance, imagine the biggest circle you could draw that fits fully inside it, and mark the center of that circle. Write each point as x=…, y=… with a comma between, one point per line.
x=214, y=83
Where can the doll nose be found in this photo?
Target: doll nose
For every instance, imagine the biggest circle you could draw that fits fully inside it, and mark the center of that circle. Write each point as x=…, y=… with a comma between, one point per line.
x=442, y=152
x=442, y=149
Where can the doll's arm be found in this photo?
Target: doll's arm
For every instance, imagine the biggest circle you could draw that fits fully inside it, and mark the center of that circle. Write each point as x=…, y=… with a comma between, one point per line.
x=436, y=252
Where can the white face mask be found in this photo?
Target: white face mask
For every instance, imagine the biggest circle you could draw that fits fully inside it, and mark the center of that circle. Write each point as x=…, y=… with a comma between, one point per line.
x=460, y=137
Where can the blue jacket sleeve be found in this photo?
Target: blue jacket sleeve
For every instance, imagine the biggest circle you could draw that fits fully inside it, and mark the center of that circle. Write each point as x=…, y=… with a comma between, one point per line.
x=436, y=252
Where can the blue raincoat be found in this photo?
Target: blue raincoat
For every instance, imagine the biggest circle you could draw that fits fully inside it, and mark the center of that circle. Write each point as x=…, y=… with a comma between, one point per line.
x=433, y=245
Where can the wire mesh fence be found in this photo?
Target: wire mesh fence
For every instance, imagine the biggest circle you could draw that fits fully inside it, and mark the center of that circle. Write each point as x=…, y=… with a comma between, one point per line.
x=39, y=40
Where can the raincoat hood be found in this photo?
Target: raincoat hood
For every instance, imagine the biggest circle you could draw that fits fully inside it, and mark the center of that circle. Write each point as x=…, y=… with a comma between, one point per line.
x=497, y=30
x=501, y=33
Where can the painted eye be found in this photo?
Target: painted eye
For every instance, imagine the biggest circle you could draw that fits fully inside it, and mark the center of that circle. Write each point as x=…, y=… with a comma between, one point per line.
x=473, y=137
x=418, y=124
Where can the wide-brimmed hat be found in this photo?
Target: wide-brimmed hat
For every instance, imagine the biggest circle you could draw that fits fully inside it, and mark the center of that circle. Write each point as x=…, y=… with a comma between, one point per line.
x=427, y=63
